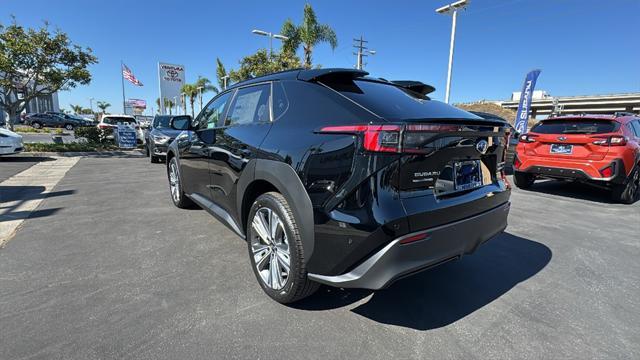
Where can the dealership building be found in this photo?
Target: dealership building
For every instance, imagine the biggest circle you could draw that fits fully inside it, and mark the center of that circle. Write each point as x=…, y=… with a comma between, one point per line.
x=543, y=104
x=38, y=105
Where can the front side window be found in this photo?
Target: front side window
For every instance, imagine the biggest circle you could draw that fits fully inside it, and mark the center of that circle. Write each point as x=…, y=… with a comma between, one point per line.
x=636, y=127
x=211, y=116
x=250, y=106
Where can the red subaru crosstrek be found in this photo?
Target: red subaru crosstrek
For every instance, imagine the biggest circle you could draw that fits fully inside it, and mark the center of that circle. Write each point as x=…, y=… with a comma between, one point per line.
x=597, y=149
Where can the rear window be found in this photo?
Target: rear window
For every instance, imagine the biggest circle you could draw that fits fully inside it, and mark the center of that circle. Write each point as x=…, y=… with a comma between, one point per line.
x=396, y=103
x=578, y=126
x=114, y=120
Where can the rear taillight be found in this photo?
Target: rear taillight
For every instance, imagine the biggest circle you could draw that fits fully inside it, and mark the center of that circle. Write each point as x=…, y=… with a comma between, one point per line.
x=614, y=140
x=527, y=138
x=379, y=138
x=103, y=126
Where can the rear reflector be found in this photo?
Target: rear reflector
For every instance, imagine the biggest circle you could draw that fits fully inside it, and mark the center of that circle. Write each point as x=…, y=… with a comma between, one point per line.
x=414, y=238
x=608, y=171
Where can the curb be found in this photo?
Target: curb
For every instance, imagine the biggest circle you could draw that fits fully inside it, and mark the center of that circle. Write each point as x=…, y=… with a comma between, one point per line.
x=125, y=154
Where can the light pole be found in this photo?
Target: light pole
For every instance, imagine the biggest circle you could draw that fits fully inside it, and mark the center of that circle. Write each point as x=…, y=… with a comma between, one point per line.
x=451, y=9
x=271, y=37
x=200, y=88
x=175, y=103
x=91, y=104
x=224, y=81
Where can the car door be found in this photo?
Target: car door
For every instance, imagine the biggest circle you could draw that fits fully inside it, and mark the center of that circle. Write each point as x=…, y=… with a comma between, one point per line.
x=195, y=149
x=246, y=124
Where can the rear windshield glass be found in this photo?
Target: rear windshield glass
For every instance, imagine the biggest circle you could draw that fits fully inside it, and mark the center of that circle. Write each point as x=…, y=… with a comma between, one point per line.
x=578, y=126
x=114, y=120
x=396, y=103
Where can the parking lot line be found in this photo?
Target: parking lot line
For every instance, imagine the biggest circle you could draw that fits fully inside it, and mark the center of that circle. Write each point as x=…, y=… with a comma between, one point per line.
x=22, y=193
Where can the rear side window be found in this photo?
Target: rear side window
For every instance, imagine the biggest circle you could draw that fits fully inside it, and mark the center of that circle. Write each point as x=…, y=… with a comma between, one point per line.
x=575, y=126
x=396, y=103
x=636, y=127
x=250, y=105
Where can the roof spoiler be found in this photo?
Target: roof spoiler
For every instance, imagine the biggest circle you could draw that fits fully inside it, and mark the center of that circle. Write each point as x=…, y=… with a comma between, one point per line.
x=317, y=74
x=416, y=86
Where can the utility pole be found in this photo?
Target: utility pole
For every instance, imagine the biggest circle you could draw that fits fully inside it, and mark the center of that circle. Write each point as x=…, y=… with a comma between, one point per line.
x=91, y=104
x=451, y=9
x=362, y=52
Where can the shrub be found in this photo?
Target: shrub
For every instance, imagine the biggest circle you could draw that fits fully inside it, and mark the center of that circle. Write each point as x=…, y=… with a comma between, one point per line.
x=74, y=147
x=93, y=134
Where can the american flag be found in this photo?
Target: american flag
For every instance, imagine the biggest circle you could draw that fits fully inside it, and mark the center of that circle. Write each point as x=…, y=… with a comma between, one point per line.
x=127, y=74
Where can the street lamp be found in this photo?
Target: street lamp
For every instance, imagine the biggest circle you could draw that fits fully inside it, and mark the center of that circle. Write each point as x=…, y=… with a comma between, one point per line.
x=271, y=37
x=200, y=88
x=224, y=81
x=175, y=103
x=451, y=9
x=91, y=104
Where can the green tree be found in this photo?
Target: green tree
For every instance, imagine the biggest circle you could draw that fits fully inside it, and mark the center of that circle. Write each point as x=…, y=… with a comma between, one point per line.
x=308, y=34
x=261, y=63
x=77, y=109
x=190, y=91
x=38, y=62
x=221, y=74
x=103, y=105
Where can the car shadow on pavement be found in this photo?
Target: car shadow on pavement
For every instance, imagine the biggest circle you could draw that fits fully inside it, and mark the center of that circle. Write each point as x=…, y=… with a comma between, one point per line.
x=26, y=193
x=445, y=294
x=574, y=190
x=20, y=159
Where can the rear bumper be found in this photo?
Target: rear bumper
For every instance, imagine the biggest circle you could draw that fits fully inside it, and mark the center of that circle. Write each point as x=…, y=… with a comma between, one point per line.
x=588, y=171
x=443, y=243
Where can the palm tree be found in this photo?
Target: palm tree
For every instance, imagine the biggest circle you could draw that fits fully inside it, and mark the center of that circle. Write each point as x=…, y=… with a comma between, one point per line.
x=309, y=34
x=77, y=109
x=103, y=105
x=221, y=74
x=168, y=104
x=190, y=90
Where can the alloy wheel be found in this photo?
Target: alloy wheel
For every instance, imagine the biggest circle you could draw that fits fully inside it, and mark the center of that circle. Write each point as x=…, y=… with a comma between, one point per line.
x=270, y=248
x=174, y=182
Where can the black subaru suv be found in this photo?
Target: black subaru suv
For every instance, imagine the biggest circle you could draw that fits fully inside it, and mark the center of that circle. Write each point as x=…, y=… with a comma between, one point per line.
x=334, y=177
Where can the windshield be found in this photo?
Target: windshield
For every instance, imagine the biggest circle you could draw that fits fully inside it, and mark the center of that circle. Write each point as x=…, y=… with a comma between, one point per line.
x=114, y=120
x=396, y=103
x=577, y=126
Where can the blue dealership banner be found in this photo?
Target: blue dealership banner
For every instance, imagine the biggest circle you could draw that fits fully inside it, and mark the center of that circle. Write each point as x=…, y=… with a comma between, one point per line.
x=126, y=136
x=525, y=101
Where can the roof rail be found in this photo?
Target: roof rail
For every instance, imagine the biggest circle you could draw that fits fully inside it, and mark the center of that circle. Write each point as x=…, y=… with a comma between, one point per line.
x=317, y=74
x=623, y=113
x=416, y=86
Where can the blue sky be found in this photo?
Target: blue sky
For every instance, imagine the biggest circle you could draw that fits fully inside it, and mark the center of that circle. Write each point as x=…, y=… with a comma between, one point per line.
x=582, y=46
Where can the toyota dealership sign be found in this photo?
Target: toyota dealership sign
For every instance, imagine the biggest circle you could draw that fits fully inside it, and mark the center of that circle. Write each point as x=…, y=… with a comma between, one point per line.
x=171, y=78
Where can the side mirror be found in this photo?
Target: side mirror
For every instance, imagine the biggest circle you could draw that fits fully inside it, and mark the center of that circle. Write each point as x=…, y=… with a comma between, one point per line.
x=180, y=123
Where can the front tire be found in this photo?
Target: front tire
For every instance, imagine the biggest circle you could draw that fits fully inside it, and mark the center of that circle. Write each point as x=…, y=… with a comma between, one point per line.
x=523, y=180
x=275, y=250
x=175, y=186
x=629, y=192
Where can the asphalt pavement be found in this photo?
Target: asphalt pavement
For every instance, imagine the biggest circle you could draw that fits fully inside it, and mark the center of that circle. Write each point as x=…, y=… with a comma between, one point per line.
x=13, y=164
x=118, y=272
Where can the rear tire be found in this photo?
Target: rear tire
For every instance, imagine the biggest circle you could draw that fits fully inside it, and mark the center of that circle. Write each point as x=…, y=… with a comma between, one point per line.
x=69, y=127
x=274, y=248
x=523, y=180
x=628, y=192
x=175, y=186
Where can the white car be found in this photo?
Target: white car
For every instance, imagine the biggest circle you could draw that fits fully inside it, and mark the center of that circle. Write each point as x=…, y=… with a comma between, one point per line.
x=10, y=142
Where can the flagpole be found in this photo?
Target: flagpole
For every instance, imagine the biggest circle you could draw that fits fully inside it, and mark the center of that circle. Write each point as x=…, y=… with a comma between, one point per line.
x=124, y=111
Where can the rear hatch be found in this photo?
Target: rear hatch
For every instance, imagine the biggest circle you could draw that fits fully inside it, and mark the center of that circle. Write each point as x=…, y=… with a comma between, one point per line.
x=450, y=162
x=569, y=138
